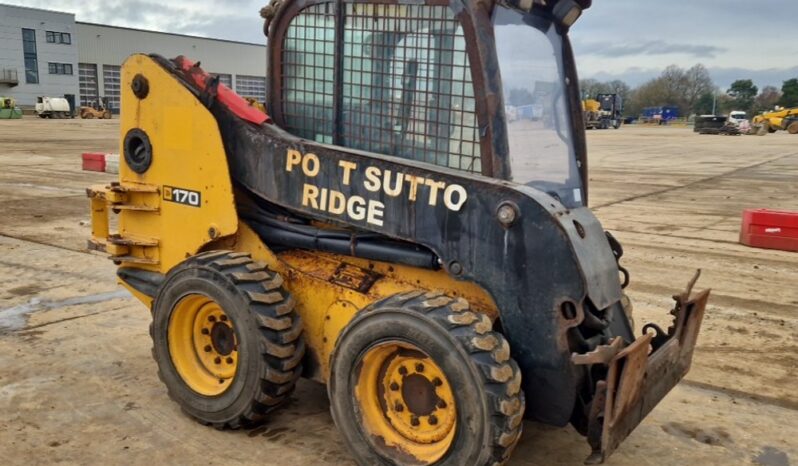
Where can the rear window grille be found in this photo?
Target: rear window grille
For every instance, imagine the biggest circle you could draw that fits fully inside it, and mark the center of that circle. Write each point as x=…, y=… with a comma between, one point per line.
x=404, y=76
x=308, y=65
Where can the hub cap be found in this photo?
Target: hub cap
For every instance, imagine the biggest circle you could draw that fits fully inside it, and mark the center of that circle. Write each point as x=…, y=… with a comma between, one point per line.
x=406, y=401
x=203, y=345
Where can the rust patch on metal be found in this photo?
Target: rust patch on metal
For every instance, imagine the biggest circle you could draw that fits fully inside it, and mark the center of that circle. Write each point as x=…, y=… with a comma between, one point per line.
x=354, y=277
x=603, y=354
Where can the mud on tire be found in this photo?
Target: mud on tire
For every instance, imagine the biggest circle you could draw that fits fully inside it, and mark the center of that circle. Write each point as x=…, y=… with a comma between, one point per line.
x=268, y=337
x=476, y=360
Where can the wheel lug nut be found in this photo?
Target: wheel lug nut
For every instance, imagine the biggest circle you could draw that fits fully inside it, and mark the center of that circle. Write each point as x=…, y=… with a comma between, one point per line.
x=403, y=370
x=399, y=407
x=217, y=360
x=205, y=331
x=229, y=360
x=211, y=318
x=432, y=419
x=441, y=404
x=414, y=421
x=207, y=348
x=437, y=382
x=419, y=367
x=394, y=386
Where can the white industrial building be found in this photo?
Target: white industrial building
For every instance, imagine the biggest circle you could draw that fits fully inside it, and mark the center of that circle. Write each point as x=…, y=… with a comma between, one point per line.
x=48, y=53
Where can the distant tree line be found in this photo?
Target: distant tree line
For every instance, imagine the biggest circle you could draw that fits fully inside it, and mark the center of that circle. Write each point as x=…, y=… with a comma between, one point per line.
x=693, y=92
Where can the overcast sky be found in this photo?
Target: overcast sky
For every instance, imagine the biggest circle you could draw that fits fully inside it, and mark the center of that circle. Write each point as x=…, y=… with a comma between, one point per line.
x=631, y=40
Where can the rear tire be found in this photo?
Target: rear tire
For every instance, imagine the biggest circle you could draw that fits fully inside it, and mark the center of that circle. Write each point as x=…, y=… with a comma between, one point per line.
x=792, y=128
x=419, y=378
x=226, y=339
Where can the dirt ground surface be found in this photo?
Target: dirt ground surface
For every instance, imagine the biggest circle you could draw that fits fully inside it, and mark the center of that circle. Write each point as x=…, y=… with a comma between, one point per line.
x=78, y=385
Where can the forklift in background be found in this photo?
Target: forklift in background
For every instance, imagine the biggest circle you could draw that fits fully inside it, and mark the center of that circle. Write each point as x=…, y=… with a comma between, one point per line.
x=780, y=119
x=98, y=108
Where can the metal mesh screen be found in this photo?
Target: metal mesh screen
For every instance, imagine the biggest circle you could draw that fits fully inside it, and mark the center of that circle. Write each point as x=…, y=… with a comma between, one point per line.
x=308, y=73
x=407, y=85
x=404, y=77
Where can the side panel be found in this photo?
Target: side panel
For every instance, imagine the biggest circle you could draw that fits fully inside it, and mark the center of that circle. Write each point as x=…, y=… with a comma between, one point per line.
x=329, y=289
x=188, y=165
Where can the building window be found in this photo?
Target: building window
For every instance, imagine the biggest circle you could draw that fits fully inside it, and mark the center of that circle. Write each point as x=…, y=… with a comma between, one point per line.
x=111, y=86
x=87, y=79
x=58, y=37
x=251, y=86
x=31, y=59
x=226, y=79
x=59, y=68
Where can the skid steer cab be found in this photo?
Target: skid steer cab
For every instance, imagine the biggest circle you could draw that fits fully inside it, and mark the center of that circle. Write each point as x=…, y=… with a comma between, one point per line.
x=407, y=225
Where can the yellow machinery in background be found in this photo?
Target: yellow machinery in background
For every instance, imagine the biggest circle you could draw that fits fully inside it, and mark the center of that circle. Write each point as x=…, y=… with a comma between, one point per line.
x=388, y=232
x=592, y=109
x=603, y=112
x=98, y=109
x=780, y=119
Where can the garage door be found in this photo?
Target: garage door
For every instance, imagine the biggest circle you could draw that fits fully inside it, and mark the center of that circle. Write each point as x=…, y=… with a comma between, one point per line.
x=87, y=76
x=111, y=85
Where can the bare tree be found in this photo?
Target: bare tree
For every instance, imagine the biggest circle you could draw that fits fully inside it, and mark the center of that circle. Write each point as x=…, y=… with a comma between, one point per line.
x=766, y=100
x=698, y=83
x=590, y=88
x=675, y=86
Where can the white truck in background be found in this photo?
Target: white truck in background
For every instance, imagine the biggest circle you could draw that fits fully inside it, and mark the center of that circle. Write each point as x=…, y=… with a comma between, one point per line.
x=53, y=107
x=737, y=117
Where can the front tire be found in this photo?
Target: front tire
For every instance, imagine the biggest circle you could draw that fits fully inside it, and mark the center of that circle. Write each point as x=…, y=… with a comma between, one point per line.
x=419, y=378
x=226, y=339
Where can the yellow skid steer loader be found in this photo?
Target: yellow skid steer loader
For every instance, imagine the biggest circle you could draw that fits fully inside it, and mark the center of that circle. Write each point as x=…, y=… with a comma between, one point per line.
x=387, y=231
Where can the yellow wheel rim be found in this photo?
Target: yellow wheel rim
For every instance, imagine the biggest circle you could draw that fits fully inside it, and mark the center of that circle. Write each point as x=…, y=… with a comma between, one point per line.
x=406, y=401
x=203, y=345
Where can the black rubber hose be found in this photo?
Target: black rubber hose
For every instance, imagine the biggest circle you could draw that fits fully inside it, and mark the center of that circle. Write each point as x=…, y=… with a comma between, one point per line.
x=354, y=245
